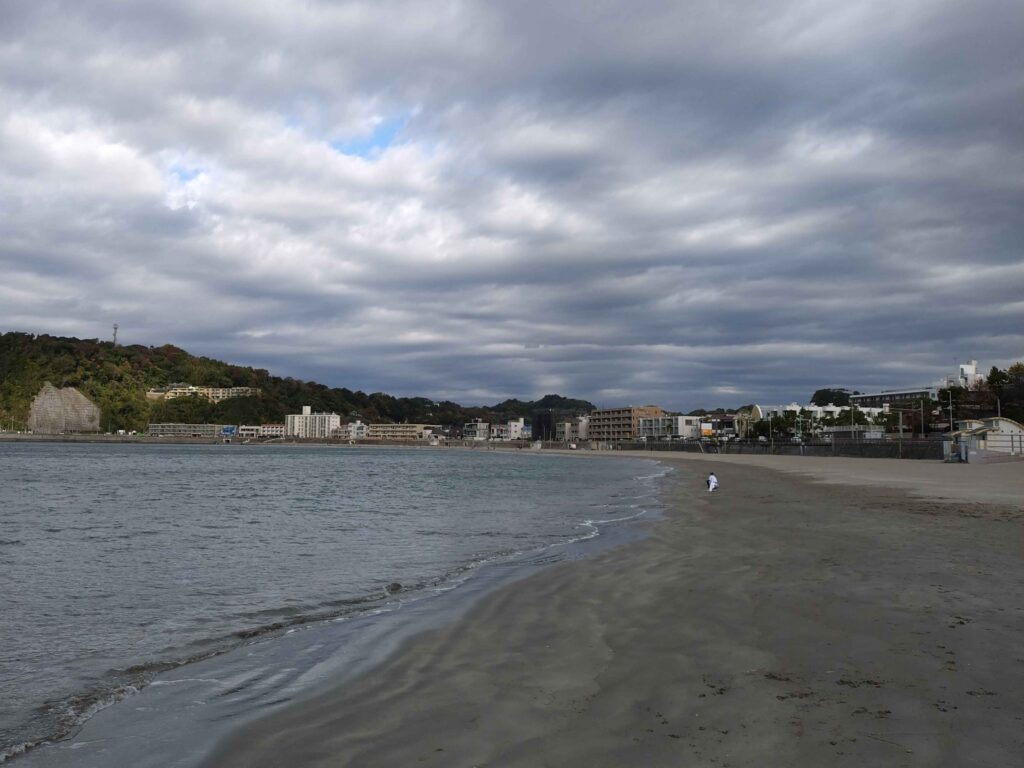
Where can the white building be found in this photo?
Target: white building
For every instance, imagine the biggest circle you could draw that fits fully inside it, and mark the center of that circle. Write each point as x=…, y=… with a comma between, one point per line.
x=477, y=429
x=400, y=431
x=213, y=394
x=516, y=428
x=669, y=428
x=261, y=430
x=997, y=433
x=308, y=424
x=355, y=430
x=966, y=376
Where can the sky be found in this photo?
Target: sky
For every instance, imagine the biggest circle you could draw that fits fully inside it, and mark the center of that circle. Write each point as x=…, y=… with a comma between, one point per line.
x=690, y=204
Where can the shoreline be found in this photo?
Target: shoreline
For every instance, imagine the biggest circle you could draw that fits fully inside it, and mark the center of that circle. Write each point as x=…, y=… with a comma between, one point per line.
x=784, y=620
x=310, y=655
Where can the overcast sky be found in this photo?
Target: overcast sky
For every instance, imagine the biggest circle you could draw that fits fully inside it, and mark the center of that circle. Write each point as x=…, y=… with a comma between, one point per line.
x=681, y=203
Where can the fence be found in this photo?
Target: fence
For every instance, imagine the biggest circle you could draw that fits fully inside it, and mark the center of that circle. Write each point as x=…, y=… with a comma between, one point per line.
x=869, y=449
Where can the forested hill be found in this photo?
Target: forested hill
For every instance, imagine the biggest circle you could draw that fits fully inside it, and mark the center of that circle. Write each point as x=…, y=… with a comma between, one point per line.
x=116, y=378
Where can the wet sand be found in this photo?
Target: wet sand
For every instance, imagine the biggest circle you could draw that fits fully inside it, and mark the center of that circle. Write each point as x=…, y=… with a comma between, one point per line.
x=815, y=615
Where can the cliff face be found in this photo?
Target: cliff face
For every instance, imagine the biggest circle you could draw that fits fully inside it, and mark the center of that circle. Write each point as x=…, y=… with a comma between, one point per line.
x=55, y=411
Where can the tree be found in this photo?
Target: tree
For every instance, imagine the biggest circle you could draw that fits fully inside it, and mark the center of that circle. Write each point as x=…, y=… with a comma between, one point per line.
x=839, y=397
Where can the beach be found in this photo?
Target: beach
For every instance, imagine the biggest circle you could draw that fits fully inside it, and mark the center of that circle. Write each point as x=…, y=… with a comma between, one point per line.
x=811, y=612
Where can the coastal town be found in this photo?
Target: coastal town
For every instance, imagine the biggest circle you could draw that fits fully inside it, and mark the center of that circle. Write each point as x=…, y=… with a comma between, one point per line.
x=886, y=418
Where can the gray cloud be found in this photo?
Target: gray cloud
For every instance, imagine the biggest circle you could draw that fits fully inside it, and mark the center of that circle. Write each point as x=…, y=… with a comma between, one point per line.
x=684, y=204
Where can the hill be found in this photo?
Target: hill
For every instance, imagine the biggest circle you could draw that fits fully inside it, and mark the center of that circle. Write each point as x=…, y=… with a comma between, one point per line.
x=116, y=378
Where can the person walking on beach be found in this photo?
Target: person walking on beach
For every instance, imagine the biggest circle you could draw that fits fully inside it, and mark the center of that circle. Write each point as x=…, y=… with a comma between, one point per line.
x=712, y=482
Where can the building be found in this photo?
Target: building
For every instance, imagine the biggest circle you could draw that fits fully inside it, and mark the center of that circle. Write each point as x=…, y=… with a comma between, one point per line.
x=573, y=431
x=997, y=434
x=669, y=428
x=894, y=397
x=401, y=431
x=261, y=430
x=476, y=430
x=191, y=430
x=966, y=376
x=308, y=424
x=355, y=430
x=499, y=432
x=609, y=425
x=213, y=394
x=517, y=429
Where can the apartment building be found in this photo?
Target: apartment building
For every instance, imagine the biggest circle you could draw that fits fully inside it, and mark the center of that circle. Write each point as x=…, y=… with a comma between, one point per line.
x=669, y=428
x=401, y=431
x=213, y=394
x=573, y=431
x=355, y=430
x=609, y=425
x=477, y=429
x=190, y=430
x=308, y=424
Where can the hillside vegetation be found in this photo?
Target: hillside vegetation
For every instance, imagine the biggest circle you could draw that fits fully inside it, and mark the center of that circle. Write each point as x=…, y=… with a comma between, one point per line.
x=116, y=378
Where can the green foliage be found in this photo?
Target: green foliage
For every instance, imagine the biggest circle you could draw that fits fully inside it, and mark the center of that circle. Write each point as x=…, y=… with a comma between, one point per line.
x=116, y=378
x=839, y=397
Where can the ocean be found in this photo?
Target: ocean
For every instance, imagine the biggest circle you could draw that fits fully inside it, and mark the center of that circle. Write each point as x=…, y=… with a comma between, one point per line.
x=124, y=568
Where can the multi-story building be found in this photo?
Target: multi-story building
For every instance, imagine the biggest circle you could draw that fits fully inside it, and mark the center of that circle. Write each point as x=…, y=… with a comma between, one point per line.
x=354, y=430
x=477, y=429
x=261, y=430
x=400, y=431
x=669, y=428
x=609, y=425
x=893, y=397
x=308, y=424
x=499, y=432
x=191, y=430
x=966, y=376
x=572, y=431
x=213, y=394
x=516, y=429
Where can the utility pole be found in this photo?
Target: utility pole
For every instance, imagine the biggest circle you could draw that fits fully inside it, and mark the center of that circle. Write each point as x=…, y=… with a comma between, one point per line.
x=951, y=425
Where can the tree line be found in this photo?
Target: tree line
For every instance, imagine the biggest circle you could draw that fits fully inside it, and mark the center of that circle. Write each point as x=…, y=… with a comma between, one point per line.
x=116, y=378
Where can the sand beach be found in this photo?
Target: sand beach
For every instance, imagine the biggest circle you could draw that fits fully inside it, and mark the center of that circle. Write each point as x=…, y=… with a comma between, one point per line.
x=841, y=612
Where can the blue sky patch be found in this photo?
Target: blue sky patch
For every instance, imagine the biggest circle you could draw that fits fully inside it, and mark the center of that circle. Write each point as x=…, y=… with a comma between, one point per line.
x=373, y=143
x=184, y=175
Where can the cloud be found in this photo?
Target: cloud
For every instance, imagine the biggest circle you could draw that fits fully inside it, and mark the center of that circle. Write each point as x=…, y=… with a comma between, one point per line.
x=685, y=204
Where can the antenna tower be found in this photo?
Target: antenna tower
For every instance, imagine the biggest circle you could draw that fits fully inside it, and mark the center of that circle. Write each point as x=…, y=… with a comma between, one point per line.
x=115, y=334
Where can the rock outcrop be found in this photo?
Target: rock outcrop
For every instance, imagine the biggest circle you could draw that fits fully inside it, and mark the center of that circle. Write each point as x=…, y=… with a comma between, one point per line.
x=56, y=411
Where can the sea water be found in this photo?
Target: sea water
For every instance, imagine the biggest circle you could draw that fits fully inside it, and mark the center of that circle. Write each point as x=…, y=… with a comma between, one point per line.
x=122, y=565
